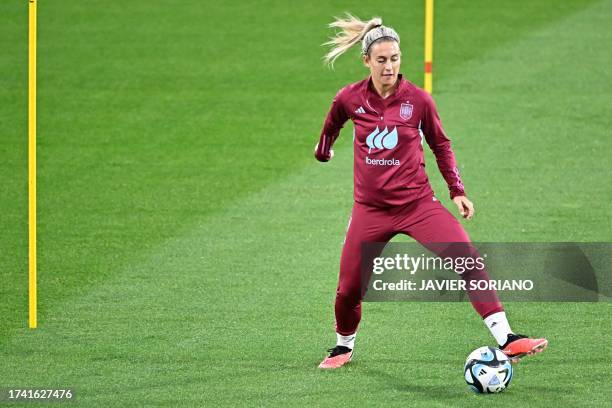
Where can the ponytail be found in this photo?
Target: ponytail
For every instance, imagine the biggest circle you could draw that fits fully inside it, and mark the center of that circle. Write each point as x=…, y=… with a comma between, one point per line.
x=353, y=30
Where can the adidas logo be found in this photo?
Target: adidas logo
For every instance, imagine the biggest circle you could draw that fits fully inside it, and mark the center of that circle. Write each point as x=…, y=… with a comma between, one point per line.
x=382, y=139
x=360, y=110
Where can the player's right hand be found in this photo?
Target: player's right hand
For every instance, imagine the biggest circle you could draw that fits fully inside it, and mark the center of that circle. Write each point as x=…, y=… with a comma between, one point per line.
x=321, y=157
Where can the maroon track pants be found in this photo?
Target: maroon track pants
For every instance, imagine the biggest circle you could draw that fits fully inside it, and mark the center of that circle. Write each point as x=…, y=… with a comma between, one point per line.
x=425, y=220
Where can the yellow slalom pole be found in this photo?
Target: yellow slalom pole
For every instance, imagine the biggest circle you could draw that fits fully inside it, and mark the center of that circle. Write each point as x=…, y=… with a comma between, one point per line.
x=32, y=162
x=429, y=21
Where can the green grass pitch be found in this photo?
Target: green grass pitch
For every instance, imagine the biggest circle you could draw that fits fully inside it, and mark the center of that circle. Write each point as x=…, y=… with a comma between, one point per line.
x=187, y=252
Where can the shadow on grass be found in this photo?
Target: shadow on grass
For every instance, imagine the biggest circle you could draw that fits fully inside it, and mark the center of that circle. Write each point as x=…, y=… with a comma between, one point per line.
x=434, y=392
x=453, y=392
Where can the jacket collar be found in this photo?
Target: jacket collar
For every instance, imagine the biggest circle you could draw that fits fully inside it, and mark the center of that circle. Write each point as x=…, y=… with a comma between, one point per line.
x=371, y=91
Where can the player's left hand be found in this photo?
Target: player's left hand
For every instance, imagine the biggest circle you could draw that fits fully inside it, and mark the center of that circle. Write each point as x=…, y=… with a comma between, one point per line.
x=465, y=206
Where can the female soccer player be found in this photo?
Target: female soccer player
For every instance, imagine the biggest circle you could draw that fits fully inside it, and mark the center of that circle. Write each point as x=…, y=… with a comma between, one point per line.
x=391, y=191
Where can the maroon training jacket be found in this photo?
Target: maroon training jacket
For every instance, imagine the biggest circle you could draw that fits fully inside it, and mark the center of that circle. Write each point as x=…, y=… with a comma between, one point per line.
x=389, y=165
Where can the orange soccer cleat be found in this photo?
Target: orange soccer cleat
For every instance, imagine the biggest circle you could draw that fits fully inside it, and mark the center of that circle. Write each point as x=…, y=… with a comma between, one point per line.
x=338, y=356
x=519, y=346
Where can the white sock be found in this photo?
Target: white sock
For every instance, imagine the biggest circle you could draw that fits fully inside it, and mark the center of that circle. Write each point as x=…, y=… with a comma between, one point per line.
x=499, y=327
x=346, y=341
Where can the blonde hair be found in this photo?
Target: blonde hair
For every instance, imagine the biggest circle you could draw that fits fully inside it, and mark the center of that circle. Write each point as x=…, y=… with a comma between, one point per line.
x=354, y=30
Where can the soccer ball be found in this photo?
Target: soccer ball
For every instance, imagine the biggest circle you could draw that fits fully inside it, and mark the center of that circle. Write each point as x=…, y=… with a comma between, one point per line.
x=487, y=370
